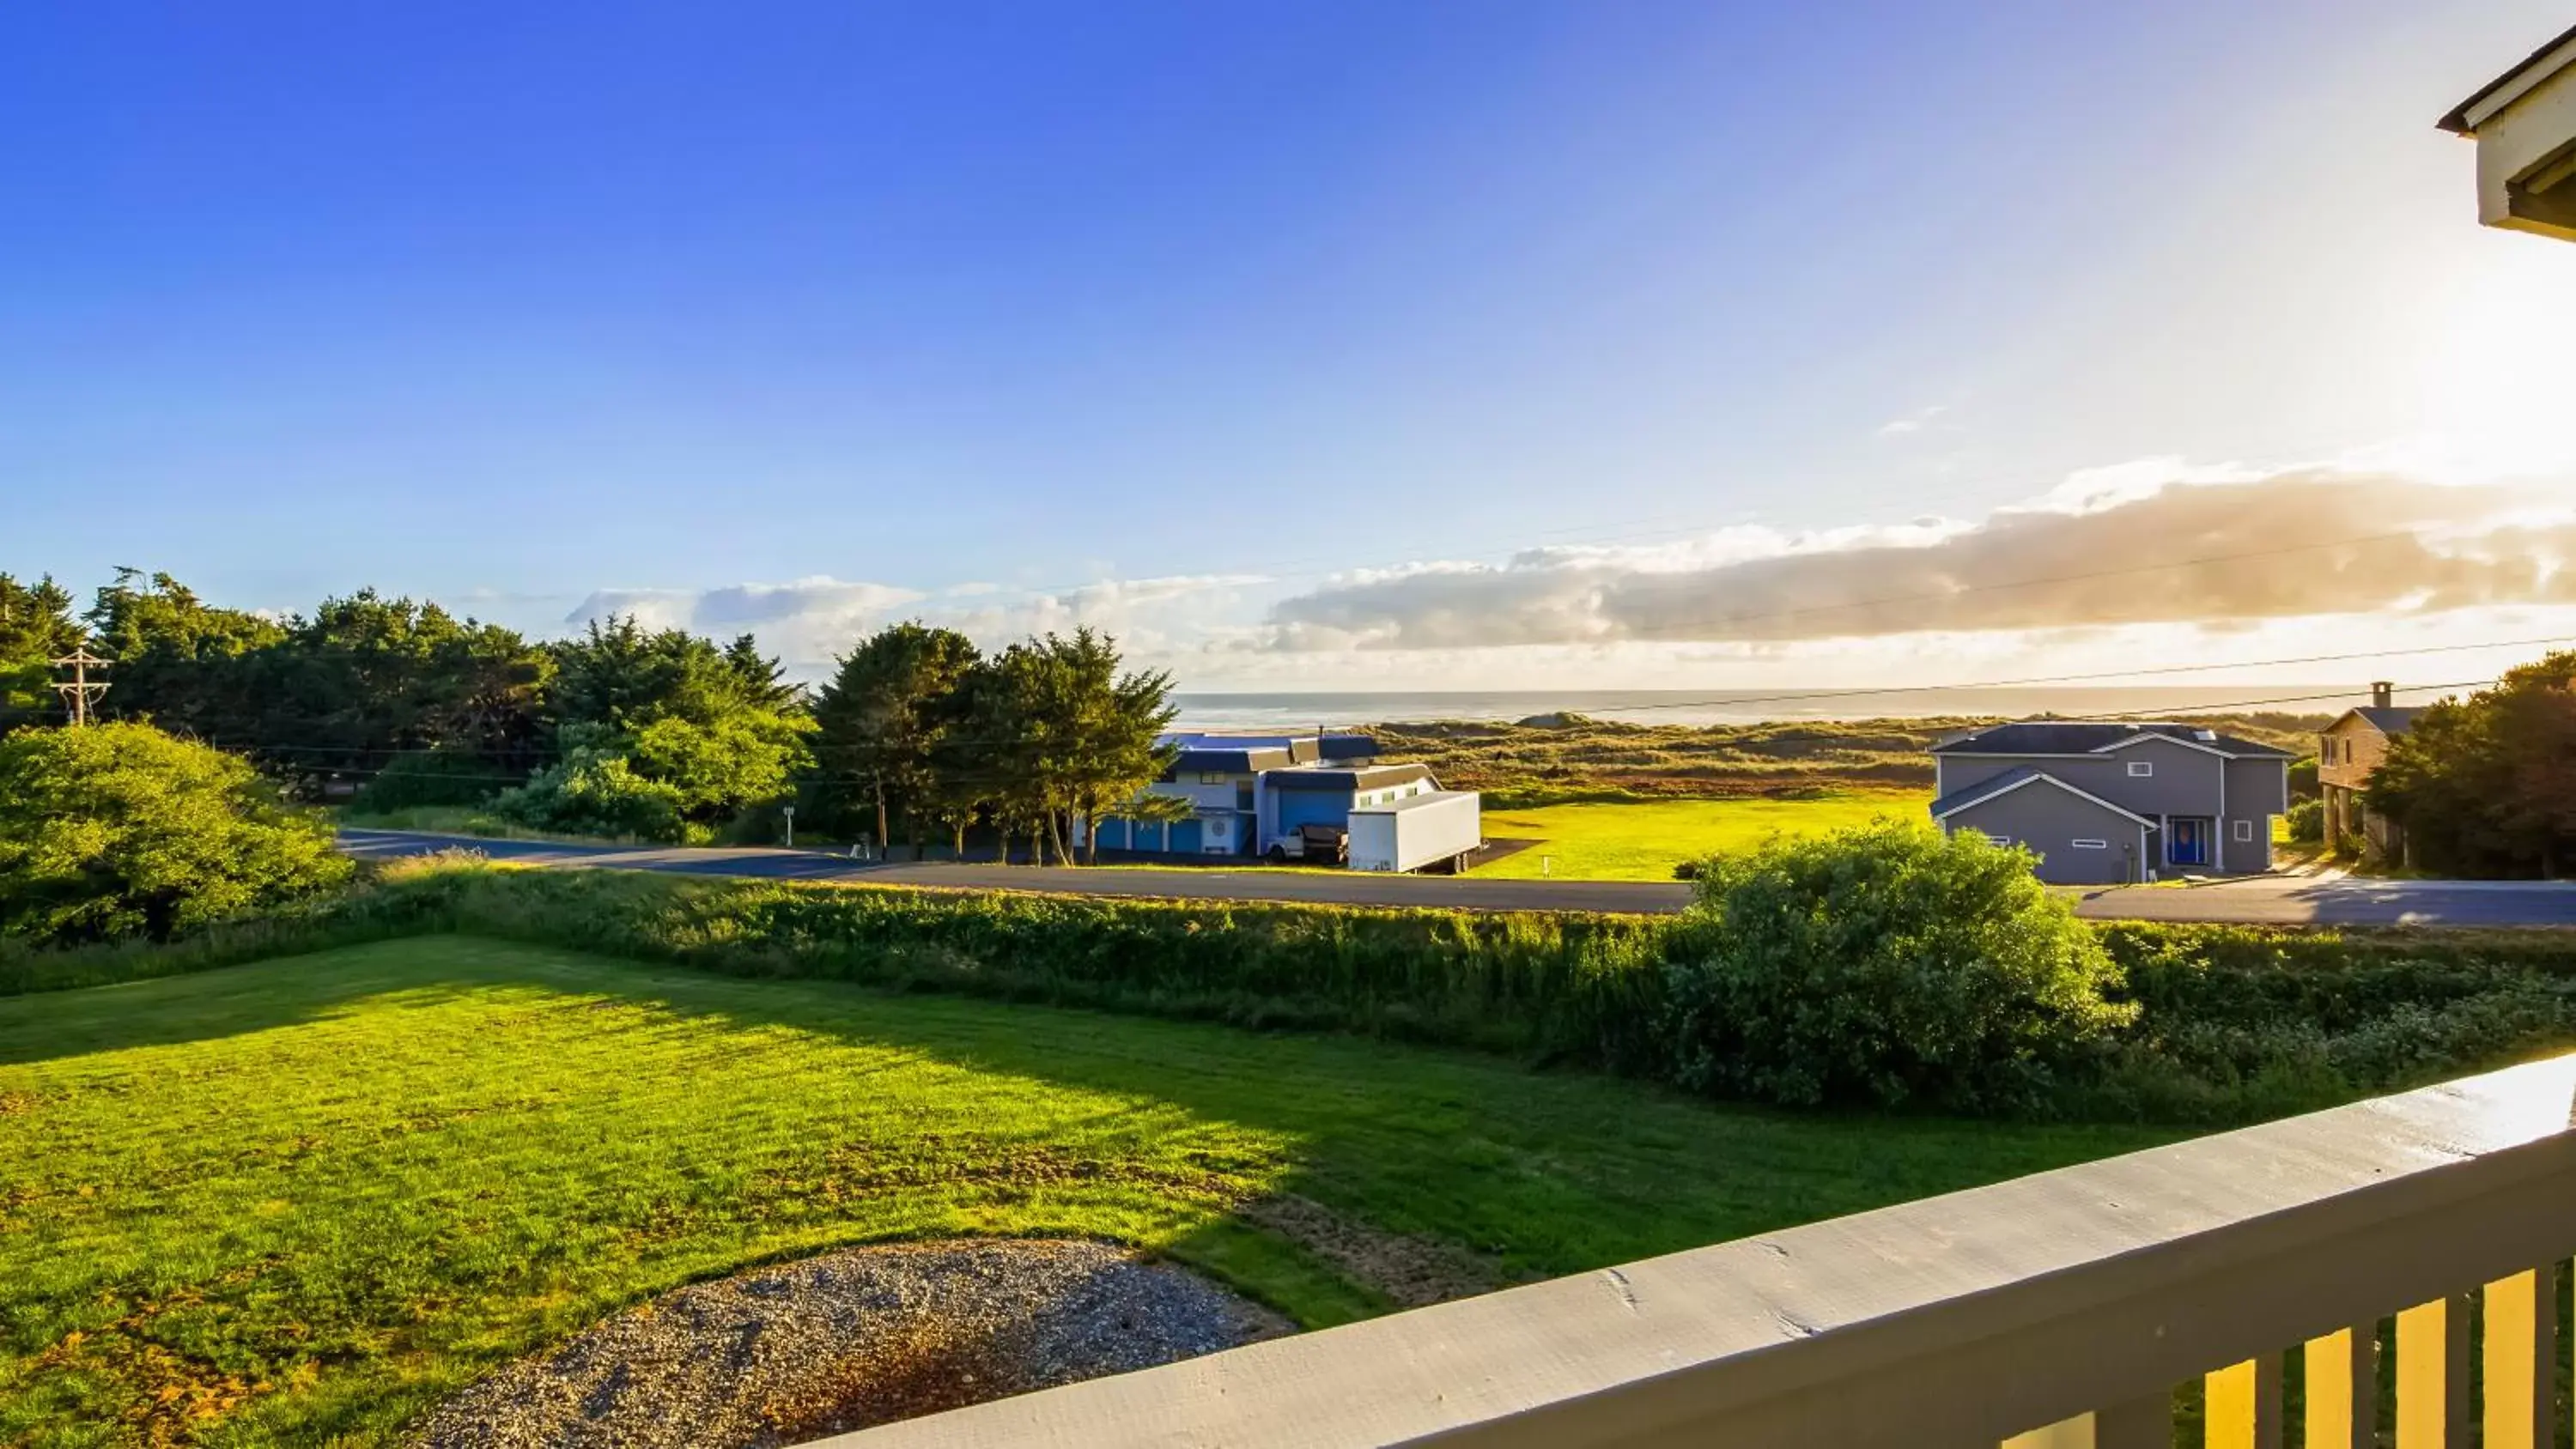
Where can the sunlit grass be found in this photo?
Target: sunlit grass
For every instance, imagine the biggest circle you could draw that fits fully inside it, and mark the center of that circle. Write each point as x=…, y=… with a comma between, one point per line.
x=1644, y=841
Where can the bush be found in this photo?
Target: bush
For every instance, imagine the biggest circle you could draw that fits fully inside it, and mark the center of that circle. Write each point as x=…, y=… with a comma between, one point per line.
x=427, y=781
x=2308, y=821
x=597, y=796
x=120, y=831
x=1884, y=965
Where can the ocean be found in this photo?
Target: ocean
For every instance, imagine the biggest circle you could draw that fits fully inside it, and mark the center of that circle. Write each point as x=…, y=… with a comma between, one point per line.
x=1746, y=706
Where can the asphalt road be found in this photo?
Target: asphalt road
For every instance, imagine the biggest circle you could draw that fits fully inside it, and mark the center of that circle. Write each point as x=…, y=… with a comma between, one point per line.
x=2261, y=900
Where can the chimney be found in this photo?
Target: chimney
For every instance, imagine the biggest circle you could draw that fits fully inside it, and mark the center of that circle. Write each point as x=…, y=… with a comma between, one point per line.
x=2382, y=694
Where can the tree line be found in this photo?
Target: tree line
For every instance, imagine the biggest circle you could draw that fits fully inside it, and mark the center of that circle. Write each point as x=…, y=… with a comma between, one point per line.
x=619, y=730
x=2486, y=785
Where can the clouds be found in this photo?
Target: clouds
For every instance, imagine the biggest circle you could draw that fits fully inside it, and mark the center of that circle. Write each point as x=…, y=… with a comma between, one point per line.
x=2109, y=549
x=810, y=618
x=2153, y=560
x=810, y=621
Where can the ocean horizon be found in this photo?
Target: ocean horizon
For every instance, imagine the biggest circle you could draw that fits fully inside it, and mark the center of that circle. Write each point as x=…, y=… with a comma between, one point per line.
x=1287, y=710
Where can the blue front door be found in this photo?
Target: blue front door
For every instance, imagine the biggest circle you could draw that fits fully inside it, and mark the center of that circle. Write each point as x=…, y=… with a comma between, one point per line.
x=2187, y=842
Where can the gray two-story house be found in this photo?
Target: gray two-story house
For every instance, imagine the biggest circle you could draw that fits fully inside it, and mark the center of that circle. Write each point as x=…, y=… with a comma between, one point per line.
x=2107, y=801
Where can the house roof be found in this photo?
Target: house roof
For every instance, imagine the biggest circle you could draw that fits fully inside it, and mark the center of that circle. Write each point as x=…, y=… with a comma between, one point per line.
x=1234, y=761
x=1348, y=781
x=1300, y=748
x=2468, y=115
x=2390, y=720
x=2094, y=737
x=1972, y=796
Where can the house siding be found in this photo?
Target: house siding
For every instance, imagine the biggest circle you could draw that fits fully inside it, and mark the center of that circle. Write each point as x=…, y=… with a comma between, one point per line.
x=2049, y=821
x=2186, y=782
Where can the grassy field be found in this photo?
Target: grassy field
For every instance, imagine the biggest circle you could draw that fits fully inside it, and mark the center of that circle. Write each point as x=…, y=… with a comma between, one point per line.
x=296, y=1201
x=1575, y=759
x=1644, y=841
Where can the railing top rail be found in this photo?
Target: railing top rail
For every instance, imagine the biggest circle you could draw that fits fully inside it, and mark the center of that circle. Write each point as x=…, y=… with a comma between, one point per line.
x=1955, y=1319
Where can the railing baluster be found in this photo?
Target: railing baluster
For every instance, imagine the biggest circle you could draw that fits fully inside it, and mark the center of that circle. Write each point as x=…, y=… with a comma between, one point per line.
x=2433, y=1375
x=2521, y=1360
x=2243, y=1409
x=2343, y=1389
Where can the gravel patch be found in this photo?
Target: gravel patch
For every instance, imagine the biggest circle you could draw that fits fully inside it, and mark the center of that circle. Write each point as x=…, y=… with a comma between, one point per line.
x=785, y=1354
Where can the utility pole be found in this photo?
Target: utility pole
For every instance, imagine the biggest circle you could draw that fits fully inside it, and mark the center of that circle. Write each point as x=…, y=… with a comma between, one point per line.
x=78, y=691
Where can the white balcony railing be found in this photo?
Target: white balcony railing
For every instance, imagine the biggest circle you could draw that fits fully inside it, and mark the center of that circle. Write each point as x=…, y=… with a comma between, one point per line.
x=2052, y=1311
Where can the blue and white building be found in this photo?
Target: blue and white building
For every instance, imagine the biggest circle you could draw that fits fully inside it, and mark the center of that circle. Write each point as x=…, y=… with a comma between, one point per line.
x=1247, y=792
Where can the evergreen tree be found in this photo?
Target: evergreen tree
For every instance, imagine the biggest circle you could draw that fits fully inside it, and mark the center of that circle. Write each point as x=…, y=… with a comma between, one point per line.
x=880, y=723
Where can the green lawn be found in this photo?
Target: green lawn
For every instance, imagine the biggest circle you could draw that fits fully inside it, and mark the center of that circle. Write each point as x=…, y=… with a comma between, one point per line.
x=1645, y=841
x=294, y=1202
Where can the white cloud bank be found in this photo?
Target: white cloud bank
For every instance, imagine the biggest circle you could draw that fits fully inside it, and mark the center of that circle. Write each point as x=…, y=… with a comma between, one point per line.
x=811, y=621
x=2110, y=548
x=2151, y=561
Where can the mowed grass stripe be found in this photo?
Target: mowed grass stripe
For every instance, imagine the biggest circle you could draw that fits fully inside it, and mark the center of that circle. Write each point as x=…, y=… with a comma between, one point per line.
x=295, y=1202
x=1617, y=840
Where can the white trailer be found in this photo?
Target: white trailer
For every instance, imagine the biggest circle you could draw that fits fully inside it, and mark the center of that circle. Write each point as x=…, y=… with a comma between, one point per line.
x=1416, y=831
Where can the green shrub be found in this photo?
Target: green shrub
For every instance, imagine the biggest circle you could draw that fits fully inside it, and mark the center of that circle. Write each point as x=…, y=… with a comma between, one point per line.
x=429, y=781
x=599, y=795
x=119, y=831
x=2308, y=821
x=1887, y=964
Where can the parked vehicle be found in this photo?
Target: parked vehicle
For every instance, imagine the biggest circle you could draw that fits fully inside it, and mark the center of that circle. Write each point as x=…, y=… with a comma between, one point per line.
x=1329, y=844
x=1434, y=828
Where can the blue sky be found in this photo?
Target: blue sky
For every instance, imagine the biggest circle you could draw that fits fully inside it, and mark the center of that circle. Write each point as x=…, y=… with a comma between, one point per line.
x=1219, y=323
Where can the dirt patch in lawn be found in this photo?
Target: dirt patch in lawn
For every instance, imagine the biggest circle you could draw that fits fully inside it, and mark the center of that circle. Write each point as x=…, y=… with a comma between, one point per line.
x=868, y=1336
x=1412, y=1272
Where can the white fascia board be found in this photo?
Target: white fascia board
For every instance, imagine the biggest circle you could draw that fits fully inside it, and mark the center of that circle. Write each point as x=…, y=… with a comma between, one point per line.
x=2044, y=778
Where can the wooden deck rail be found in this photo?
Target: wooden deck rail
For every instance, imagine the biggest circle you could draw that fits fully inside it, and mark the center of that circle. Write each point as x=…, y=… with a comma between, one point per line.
x=2053, y=1311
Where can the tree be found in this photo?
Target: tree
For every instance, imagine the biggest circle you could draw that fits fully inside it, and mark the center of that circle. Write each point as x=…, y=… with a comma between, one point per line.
x=2487, y=785
x=1113, y=728
x=620, y=673
x=36, y=626
x=880, y=724
x=180, y=662
x=121, y=830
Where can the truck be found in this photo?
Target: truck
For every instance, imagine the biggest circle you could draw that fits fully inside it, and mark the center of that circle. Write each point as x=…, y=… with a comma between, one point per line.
x=1434, y=828
x=1324, y=843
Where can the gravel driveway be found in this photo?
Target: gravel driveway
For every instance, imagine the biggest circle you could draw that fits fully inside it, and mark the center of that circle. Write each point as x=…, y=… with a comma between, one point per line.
x=866, y=1336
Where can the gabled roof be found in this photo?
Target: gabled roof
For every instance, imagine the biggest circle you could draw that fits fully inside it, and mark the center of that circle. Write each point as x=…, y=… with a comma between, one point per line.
x=2468, y=115
x=2004, y=784
x=2388, y=719
x=2095, y=737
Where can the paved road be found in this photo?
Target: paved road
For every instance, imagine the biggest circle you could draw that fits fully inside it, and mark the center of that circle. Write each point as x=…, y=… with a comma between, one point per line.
x=2264, y=900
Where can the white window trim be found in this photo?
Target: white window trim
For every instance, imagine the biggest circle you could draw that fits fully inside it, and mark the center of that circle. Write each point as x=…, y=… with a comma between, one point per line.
x=2244, y=832
x=1994, y=839
x=2090, y=844
x=2141, y=769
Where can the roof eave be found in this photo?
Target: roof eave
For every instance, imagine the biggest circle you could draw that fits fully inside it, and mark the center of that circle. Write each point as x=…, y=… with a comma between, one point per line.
x=2459, y=121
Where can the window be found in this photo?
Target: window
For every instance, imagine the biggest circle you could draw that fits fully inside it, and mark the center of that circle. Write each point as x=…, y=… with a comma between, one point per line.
x=2090, y=844
x=1997, y=839
x=2140, y=769
x=1211, y=777
x=2244, y=830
